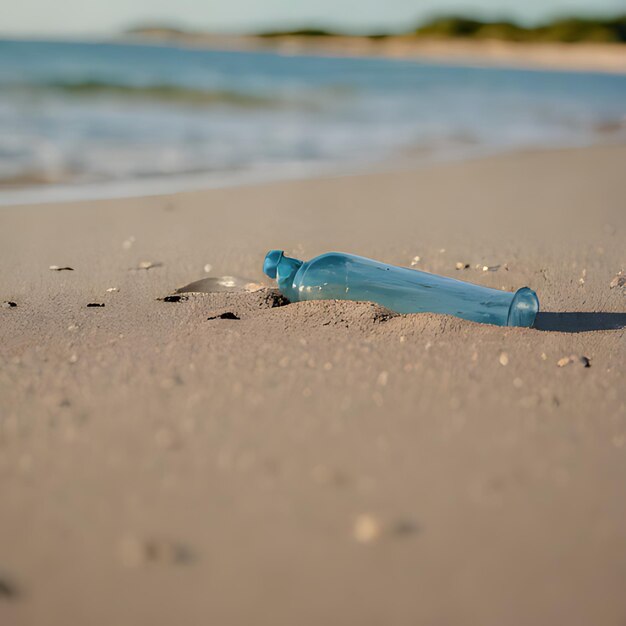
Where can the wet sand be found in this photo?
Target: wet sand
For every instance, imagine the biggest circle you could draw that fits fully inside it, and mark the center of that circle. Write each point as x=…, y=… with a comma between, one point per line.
x=317, y=462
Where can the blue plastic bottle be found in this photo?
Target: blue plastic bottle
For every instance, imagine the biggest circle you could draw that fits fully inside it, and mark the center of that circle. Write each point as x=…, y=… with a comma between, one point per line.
x=339, y=276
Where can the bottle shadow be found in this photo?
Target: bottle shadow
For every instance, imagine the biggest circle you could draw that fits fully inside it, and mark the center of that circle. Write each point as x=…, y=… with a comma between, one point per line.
x=579, y=322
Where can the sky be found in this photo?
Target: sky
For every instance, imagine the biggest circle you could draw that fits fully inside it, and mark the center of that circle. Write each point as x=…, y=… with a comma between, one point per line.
x=103, y=17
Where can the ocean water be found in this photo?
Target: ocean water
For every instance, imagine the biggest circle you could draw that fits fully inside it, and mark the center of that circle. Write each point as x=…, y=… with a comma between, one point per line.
x=85, y=118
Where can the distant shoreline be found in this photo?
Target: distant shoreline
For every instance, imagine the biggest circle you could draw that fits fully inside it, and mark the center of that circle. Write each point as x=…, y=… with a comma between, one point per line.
x=586, y=57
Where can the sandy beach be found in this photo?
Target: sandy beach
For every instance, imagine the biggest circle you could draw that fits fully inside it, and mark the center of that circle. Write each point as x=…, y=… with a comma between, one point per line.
x=317, y=462
x=579, y=57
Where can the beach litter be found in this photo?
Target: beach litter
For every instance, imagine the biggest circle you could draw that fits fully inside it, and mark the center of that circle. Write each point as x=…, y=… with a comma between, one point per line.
x=340, y=276
x=57, y=268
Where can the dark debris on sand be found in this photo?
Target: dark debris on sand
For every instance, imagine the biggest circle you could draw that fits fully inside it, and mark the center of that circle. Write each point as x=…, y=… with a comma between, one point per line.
x=9, y=304
x=228, y=315
x=96, y=304
x=173, y=298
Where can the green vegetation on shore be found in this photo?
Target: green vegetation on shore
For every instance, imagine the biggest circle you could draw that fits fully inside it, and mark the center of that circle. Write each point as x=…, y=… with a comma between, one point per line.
x=568, y=30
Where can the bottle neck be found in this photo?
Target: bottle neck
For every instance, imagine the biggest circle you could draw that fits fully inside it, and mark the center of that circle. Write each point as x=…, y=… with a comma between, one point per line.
x=285, y=273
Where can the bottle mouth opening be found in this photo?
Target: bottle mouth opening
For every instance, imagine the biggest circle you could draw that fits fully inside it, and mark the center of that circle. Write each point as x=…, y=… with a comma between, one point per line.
x=524, y=308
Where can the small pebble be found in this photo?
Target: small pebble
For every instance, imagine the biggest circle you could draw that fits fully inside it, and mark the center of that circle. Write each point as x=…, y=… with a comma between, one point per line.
x=113, y=289
x=415, y=260
x=366, y=529
x=9, y=304
x=566, y=360
x=73, y=358
x=207, y=268
x=504, y=358
x=96, y=304
x=56, y=268
x=618, y=281
x=491, y=268
x=462, y=266
x=146, y=265
x=128, y=243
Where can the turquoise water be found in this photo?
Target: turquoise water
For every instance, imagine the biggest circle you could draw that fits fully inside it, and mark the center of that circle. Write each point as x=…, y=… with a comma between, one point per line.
x=85, y=114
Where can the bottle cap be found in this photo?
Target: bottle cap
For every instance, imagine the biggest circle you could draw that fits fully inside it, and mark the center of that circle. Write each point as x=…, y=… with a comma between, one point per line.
x=272, y=259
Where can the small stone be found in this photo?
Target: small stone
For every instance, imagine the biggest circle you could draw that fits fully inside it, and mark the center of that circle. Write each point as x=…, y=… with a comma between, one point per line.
x=56, y=268
x=366, y=529
x=207, y=268
x=504, y=358
x=585, y=361
x=127, y=244
x=563, y=362
x=442, y=250
x=72, y=327
x=95, y=304
x=618, y=281
x=544, y=356
x=491, y=268
x=462, y=266
x=9, y=304
x=415, y=260
x=73, y=358
x=145, y=265
x=113, y=289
